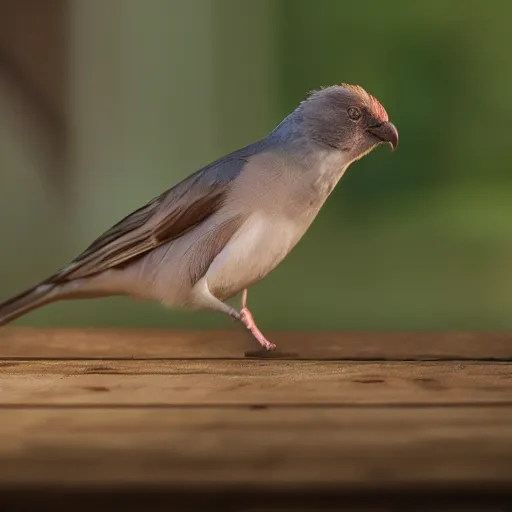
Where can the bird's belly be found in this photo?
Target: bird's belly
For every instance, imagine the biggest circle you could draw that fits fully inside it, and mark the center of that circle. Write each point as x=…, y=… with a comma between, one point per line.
x=257, y=248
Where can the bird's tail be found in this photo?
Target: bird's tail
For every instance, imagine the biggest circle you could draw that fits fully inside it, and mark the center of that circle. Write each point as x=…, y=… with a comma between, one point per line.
x=55, y=289
x=27, y=301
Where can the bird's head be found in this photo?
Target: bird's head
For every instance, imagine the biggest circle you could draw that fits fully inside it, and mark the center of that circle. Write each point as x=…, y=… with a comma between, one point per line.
x=347, y=118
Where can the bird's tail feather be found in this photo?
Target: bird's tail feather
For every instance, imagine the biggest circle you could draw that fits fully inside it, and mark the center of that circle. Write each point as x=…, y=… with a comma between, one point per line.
x=41, y=295
x=51, y=290
x=27, y=301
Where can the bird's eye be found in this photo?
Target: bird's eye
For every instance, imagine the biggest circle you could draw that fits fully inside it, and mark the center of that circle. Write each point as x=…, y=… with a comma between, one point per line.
x=354, y=113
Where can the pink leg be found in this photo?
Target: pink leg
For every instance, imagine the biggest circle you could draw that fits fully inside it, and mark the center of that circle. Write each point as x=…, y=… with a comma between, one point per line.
x=248, y=320
x=244, y=298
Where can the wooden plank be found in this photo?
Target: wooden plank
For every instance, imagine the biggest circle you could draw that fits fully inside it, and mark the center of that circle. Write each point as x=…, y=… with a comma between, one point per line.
x=142, y=344
x=262, y=448
x=455, y=498
x=239, y=383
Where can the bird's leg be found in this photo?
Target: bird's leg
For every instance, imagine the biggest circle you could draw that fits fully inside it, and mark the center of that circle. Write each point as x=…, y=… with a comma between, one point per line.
x=248, y=320
x=244, y=298
x=203, y=297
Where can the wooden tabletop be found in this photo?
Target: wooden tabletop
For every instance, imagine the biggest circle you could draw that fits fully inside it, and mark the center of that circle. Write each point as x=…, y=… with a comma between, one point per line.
x=197, y=419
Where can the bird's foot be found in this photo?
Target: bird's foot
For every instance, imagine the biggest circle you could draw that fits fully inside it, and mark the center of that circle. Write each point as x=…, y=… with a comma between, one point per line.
x=248, y=320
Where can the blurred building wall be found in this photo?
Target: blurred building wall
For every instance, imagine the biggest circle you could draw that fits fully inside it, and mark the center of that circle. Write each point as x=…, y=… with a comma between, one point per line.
x=32, y=138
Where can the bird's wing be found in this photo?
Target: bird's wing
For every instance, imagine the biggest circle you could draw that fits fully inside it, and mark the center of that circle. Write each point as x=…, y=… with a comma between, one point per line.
x=163, y=219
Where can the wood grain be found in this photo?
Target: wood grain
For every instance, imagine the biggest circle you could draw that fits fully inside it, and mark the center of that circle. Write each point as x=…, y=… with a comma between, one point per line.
x=355, y=448
x=77, y=343
x=214, y=383
x=117, y=419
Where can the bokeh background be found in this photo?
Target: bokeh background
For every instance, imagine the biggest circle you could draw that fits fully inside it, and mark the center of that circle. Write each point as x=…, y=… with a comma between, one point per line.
x=106, y=103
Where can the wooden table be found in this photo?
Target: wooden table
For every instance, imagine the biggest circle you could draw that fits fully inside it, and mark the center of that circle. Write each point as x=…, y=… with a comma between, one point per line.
x=154, y=420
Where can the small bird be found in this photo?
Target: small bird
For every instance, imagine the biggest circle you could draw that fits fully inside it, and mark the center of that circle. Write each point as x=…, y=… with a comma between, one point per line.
x=228, y=225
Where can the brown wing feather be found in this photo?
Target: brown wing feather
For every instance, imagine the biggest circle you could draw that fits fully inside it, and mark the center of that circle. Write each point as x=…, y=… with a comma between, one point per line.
x=163, y=219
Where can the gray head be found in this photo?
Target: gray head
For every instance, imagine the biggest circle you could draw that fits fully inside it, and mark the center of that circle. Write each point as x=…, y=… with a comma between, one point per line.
x=343, y=117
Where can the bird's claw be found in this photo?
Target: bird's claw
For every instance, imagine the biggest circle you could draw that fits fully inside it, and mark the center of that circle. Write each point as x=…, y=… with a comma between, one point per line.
x=248, y=320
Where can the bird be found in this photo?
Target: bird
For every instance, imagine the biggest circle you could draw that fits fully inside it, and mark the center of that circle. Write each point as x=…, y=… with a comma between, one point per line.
x=228, y=225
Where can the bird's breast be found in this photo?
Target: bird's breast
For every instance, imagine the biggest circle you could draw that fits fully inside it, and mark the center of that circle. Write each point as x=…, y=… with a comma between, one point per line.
x=256, y=249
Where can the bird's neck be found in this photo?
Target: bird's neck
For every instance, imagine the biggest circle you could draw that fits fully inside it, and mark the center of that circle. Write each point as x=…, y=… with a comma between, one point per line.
x=322, y=166
x=317, y=167
x=326, y=170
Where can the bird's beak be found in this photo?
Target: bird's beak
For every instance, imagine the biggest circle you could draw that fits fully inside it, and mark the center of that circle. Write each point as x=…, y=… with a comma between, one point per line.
x=386, y=132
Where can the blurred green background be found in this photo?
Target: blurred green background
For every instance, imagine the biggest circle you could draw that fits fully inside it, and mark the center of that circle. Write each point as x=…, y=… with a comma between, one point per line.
x=417, y=239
